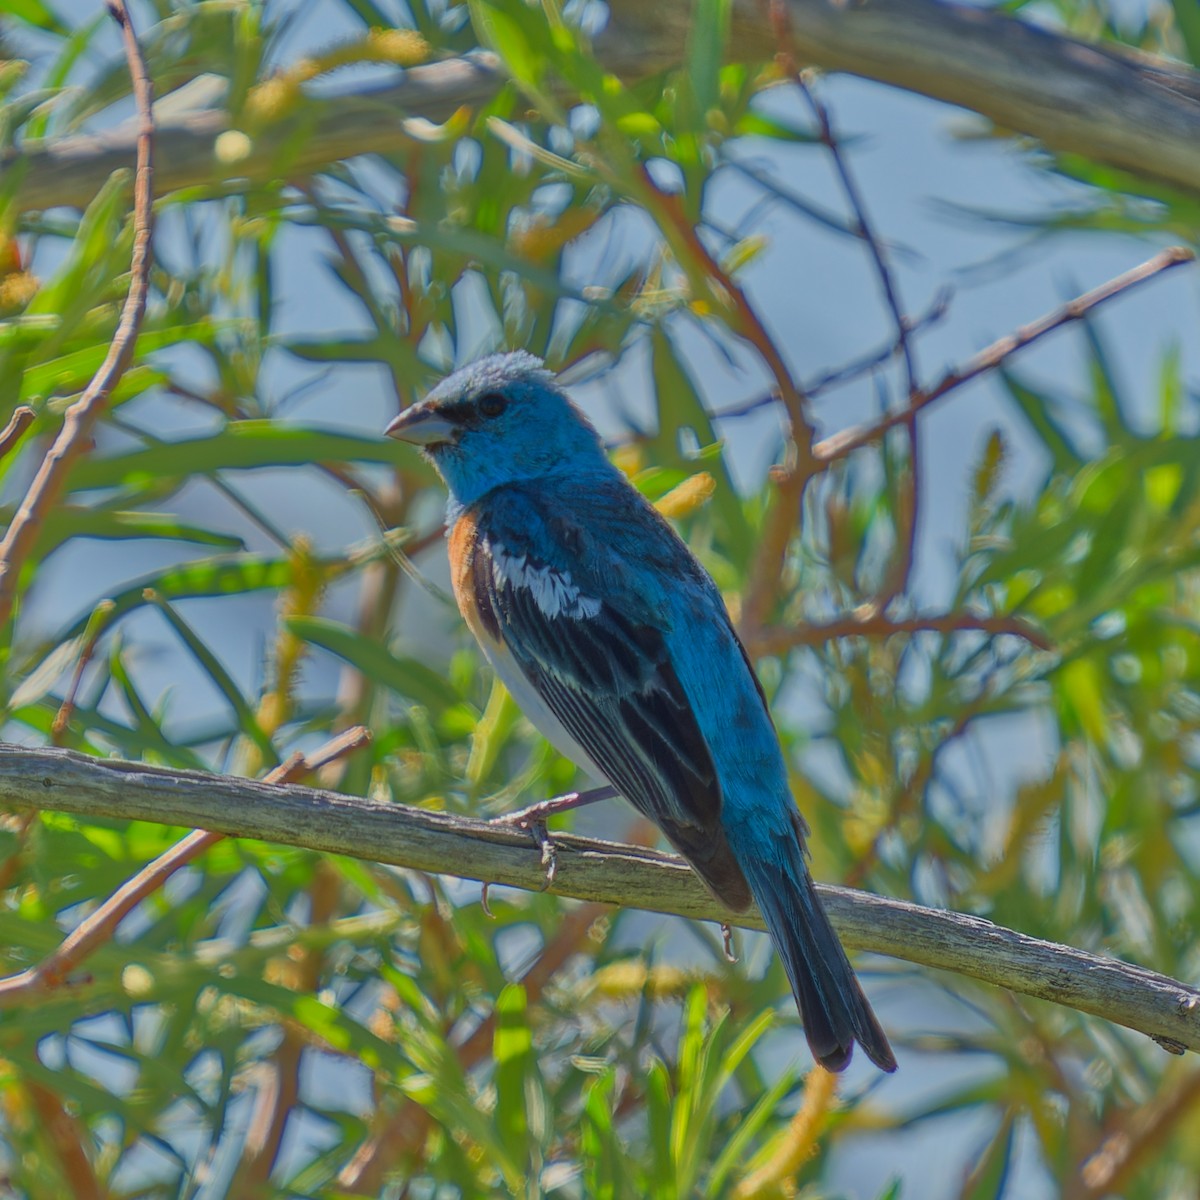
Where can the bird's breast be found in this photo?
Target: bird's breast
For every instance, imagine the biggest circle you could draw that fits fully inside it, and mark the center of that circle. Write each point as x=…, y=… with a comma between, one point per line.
x=466, y=576
x=471, y=574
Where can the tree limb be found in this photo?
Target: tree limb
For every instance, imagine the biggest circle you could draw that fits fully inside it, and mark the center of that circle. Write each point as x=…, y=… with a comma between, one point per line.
x=1132, y=111
x=1129, y=111
x=588, y=869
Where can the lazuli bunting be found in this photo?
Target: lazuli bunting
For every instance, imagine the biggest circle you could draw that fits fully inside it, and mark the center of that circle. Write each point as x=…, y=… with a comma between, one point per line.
x=616, y=644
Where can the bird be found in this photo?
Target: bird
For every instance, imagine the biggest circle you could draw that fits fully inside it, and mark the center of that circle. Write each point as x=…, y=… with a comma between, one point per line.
x=616, y=644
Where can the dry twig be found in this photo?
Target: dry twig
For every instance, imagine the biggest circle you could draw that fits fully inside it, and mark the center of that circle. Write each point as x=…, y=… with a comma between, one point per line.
x=873, y=625
x=77, y=425
x=843, y=444
x=908, y=516
x=23, y=416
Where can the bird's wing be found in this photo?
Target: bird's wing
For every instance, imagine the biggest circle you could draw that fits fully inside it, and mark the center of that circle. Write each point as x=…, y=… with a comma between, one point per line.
x=590, y=647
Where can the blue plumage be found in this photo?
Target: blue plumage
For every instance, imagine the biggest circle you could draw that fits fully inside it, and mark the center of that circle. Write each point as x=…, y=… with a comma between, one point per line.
x=616, y=643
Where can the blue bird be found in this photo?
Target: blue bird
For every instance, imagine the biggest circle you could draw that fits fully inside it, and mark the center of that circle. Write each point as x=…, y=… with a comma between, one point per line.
x=615, y=643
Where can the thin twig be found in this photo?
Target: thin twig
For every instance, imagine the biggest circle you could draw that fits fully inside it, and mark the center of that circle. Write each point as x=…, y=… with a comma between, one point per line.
x=863, y=226
x=99, y=927
x=814, y=389
x=14, y=431
x=776, y=640
x=840, y=445
x=68, y=1134
x=908, y=517
x=588, y=869
x=96, y=626
x=276, y=1099
x=77, y=425
x=784, y=517
x=1139, y=1136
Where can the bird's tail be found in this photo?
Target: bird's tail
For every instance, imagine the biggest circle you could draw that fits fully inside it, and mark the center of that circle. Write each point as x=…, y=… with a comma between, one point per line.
x=835, y=1012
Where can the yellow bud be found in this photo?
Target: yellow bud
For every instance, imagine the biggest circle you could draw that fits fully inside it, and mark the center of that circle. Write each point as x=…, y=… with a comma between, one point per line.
x=136, y=981
x=272, y=99
x=232, y=147
x=402, y=47
x=683, y=500
x=624, y=980
x=17, y=290
x=628, y=458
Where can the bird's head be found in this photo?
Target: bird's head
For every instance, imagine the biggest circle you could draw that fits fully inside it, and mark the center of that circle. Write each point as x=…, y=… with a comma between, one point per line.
x=500, y=420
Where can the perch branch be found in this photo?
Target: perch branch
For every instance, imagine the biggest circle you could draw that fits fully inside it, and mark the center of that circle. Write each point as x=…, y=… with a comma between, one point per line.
x=98, y=928
x=602, y=872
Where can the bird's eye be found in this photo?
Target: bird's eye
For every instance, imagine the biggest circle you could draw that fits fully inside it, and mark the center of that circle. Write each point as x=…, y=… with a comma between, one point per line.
x=492, y=404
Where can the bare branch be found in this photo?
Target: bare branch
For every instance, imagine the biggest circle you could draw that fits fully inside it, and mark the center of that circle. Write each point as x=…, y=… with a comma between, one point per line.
x=863, y=225
x=1129, y=111
x=48, y=483
x=840, y=445
x=603, y=872
x=23, y=416
x=68, y=1134
x=871, y=624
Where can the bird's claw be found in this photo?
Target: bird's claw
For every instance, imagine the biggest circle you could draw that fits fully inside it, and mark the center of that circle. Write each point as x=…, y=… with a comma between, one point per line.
x=533, y=821
x=727, y=935
x=549, y=855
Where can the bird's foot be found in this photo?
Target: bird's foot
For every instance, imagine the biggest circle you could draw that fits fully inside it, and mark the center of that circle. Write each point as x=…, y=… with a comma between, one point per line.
x=533, y=819
x=727, y=935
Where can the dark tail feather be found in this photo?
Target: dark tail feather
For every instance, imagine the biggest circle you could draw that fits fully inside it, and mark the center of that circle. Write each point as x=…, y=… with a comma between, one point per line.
x=835, y=1012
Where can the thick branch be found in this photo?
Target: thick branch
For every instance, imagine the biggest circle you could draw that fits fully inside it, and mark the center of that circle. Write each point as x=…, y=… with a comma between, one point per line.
x=1136, y=113
x=1132, y=111
x=603, y=872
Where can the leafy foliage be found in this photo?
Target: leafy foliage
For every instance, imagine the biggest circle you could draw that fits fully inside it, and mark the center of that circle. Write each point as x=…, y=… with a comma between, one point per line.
x=277, y=1022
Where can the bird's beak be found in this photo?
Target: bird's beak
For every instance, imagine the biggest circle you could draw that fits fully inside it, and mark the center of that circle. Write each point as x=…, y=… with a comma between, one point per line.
x=422, y=427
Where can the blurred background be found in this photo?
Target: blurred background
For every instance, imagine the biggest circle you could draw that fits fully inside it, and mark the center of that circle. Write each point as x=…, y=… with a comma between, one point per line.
x=216, y=591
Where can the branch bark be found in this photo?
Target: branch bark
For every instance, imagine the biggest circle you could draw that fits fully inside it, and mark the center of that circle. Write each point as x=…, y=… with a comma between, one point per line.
x=602, y=872
x=1134, y=112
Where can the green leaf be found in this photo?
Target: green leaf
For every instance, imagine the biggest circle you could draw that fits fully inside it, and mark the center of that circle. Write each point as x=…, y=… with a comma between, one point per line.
x=148, y=728
x=512, y=1049
x=247, y=721
x=680, y=408
x=1187, y=22
x=402, y=675
x=37, y=14
x=736, y=1150
x=1038, y=410
x=73, y=521
x=242, y=445
x=989, y=1177
x=507, y=29
x=706, y=50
